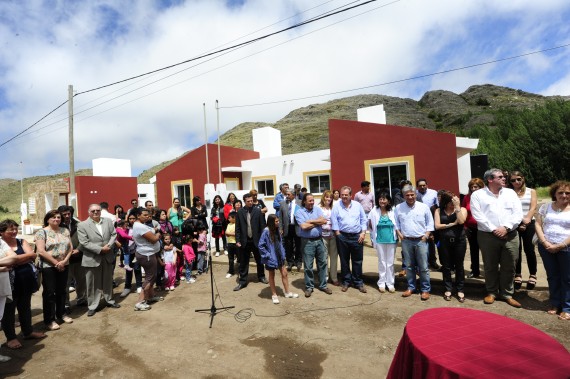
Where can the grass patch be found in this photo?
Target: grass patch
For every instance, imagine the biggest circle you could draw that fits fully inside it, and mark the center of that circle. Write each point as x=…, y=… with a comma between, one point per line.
x=542, y=193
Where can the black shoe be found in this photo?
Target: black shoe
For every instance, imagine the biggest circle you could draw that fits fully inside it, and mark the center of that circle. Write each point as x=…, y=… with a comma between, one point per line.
x=473, y=276
x=67, y=310
x=239, y=287
x=434, y=266
x=308, y=293
x=289, y=266
x=263, y=280
x=91, y=312
x=81, y=303
x=299, y=267
x=114, y=305
x=115, y=285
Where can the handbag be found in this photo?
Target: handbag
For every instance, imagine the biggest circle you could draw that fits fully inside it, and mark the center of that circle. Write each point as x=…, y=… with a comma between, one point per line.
x=37, y=265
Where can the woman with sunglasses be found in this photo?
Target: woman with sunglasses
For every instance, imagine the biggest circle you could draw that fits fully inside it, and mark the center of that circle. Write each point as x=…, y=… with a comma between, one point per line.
x=526, y=229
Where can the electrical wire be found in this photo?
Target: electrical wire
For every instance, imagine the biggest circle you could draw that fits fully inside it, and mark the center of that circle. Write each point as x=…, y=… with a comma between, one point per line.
x=306, y=22
x=245, y=314
x=401, y=80
x=335, y=11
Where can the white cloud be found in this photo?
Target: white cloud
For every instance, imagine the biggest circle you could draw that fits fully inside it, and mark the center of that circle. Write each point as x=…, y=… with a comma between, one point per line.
x=44, y=51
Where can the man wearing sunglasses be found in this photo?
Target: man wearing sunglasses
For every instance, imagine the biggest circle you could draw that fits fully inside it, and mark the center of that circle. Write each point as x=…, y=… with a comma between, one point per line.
x=498, y=213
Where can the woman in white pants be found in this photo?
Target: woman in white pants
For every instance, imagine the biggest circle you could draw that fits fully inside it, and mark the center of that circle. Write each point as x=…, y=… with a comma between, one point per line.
x=381, y=224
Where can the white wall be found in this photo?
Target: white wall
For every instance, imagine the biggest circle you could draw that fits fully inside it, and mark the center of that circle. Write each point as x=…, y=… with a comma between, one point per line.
x=267, y=142
x=111, y=167
x=374, y=114
x=146, y=192
x=286, y=169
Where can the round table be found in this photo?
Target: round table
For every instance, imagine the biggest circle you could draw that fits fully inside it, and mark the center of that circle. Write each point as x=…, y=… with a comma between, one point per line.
x=466, y=343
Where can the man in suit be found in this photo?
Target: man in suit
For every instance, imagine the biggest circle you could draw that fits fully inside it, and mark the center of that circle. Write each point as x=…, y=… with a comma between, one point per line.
x=287, y=209
x=250, y=222
x=96, y=239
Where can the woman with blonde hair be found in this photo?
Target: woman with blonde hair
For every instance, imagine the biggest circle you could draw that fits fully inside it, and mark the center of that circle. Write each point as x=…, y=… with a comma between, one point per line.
x=528, y=199
x=329, y=239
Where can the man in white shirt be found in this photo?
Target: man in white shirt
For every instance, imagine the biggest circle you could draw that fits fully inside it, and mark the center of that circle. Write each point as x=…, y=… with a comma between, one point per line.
x=105, y=211
x=414, y=224
x=498, y=213
x=428, y=196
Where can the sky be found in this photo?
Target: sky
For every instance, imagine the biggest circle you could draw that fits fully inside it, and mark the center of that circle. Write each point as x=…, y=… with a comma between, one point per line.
x=46, y=46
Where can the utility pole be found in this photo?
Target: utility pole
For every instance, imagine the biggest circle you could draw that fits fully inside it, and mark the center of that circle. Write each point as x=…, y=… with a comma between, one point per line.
x=206, y=146
x=72, y=195
x=219, y=155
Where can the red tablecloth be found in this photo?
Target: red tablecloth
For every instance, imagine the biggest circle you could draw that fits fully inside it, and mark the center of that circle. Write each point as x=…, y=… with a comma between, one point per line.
x=465, y=343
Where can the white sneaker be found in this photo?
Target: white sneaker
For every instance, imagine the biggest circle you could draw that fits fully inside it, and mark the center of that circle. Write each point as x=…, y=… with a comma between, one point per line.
x=125, y=292
x=391, y=289
x=128, y=268
x=291, y=295
x=192, y=280
x=142, y=306
x=225, y=252
x=217, y=254
x=172, y=288
x=71, y=289
x=167, y=289
x=228, y=275
x=139, y=289
x=275, y=299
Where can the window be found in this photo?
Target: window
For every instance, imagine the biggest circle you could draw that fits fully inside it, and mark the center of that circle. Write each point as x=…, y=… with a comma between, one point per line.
x=182, y=189
x=265, y=186
x=388, y=177
x=386, y=174
x=318, y=183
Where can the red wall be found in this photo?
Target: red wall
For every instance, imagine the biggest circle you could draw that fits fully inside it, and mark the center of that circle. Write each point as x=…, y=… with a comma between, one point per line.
x=193, y=166
x=353, y=142
x=96, y=189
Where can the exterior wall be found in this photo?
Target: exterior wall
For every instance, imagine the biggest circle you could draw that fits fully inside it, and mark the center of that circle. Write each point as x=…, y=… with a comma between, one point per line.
x=95, y=189
x=191, y=168
x=45, y=196
x=433, y=154
x=291, y=169
x=111, y=167
x=146, y=192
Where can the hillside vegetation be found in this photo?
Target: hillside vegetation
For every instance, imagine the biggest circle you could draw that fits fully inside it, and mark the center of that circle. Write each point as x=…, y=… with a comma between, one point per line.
x=519, y=130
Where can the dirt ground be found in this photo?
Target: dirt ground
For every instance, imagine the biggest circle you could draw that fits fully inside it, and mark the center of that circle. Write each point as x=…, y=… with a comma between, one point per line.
x=342, y=335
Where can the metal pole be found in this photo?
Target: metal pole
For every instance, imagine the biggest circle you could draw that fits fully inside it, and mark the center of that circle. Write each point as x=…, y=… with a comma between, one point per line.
x=219, y=154
x=206, y=146
x=22, y=180
x=72, y=194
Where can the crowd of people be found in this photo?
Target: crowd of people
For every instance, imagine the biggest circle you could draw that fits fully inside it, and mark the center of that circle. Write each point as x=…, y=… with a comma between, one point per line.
x=168, y=247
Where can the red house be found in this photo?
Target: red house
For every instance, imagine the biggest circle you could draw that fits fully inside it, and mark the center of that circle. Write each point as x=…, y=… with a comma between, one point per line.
x=186, y=177
x=385, y=154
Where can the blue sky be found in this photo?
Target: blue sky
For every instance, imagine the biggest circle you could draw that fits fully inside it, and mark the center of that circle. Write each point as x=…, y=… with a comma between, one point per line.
x=46, y=46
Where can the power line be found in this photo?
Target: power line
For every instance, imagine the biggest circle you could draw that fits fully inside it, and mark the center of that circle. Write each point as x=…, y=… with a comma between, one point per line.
x=401, y=80
x=333, y=12
x=306, y=22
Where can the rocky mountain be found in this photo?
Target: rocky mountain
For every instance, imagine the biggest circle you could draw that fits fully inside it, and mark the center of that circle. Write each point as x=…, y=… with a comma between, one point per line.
x=306, y=128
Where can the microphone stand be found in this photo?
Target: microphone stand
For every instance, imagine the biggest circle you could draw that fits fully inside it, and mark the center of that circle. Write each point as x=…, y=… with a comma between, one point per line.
x=212, y=310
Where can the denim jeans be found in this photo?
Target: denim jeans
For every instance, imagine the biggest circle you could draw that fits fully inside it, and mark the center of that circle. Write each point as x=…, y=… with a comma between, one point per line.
x=188, y=269
x=200, y=261
x=350, y=250
x=557, y=268
x=314, y=249
x=416, y=255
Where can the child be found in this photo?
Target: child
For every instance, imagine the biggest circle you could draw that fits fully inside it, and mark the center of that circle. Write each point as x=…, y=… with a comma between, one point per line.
x=177, y=242
x=231, y=240
x=273, y=255
x=123, y=243
x=202, y=247
x=189, y=258
x=170, y=262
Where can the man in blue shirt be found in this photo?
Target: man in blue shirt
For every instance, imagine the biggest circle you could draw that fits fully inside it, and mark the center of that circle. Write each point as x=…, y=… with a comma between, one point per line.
x=428, y=197
x=310, y=220
x=280, y=196
x=414, y=224
x=348, y=222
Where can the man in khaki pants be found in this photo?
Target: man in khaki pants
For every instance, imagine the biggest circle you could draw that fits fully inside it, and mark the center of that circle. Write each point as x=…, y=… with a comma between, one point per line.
x=498, y=213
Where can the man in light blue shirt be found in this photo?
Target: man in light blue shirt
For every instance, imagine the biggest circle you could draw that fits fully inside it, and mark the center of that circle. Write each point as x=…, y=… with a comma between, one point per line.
x=310, y=220
x=414, y=224
x=348, y=222
x=280, y=196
